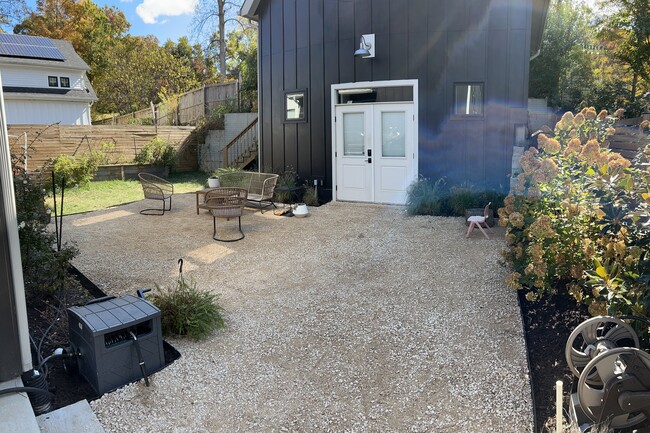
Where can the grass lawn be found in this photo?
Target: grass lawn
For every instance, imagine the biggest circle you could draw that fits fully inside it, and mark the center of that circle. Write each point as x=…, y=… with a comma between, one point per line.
x=102, y=195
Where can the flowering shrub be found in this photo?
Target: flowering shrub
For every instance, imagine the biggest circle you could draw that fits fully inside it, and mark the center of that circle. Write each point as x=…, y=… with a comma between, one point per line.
x=578, y=218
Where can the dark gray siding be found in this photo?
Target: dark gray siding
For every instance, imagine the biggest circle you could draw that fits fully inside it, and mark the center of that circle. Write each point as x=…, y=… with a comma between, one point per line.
x=310, y=45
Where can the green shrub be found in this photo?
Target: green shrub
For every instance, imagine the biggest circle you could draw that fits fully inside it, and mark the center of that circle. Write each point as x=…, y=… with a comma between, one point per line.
x=287, y=181
x=310, y=198
x=45, y=271
x=186, y=310
x=463, y=197
x=426, y=197
x=578, y=219
x=157, y=152
x=77, y=170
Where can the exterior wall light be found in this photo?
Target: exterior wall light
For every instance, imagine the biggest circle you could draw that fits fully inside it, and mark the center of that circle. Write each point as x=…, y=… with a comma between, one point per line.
x=366, y=47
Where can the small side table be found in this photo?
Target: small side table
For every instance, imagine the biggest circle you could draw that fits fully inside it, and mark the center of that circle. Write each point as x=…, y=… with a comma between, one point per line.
x=198, y=193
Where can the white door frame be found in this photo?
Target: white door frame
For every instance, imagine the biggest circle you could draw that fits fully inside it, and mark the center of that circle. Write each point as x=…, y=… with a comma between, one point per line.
x=374, y=84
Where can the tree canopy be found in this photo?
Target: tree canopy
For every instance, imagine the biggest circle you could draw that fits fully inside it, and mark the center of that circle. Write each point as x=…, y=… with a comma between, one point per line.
x=128, y=72
x=92, y=30
x=595, y=60
x=137, y=71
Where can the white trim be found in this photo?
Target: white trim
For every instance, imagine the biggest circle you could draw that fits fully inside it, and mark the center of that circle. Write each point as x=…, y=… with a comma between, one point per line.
x=249, y=9
x=9, y=96
x=375, y=84
x=15, y=261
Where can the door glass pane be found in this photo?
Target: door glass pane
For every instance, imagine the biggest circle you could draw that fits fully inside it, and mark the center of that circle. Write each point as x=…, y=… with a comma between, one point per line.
x=353, y=134
x=393, y=137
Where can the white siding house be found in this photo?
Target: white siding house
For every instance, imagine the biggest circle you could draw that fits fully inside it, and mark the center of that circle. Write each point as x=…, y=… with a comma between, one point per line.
x=44, y=91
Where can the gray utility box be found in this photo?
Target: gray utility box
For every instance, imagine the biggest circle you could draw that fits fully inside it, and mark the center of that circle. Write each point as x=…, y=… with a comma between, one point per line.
x=101, y=332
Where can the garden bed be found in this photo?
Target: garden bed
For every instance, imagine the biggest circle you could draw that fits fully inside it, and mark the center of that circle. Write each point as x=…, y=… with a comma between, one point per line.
x=42, y=312
x=128, y=171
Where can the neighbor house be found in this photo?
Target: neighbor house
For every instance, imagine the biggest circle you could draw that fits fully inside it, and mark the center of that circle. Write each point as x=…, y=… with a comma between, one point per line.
x=364, y=96
x=44, y=81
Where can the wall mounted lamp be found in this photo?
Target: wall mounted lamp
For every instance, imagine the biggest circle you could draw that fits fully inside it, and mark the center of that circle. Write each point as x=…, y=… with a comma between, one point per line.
x=366, y=47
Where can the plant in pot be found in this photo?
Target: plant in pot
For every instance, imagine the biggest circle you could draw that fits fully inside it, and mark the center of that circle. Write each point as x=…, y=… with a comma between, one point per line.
x=213, y=181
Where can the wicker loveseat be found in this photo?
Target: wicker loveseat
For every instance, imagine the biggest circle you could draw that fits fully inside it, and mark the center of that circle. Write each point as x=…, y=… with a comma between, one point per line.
x=260, y=186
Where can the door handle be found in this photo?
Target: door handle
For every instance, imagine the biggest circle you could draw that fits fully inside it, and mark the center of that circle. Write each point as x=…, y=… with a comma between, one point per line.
x=369, y=160
x=369, y=152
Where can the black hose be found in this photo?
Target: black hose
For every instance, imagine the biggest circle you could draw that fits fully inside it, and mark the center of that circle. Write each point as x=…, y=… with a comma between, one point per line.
x=41, y=400
x=26, y=389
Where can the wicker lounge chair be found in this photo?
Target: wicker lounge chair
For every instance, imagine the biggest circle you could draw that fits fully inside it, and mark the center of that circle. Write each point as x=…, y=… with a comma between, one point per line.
x=156, y=188
x=225, y=203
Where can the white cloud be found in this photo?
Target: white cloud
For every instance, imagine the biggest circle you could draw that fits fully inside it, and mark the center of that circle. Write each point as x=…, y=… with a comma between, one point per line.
x=150, y=10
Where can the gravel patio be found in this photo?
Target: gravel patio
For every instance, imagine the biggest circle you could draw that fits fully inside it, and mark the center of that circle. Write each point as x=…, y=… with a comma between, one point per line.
x=355, y=319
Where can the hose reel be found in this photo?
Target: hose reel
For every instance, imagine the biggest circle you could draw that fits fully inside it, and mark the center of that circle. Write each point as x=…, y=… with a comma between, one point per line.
x=613, y=375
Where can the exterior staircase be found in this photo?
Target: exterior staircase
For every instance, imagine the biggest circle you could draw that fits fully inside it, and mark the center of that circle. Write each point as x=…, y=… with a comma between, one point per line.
x=241, y=150
x=235, y=146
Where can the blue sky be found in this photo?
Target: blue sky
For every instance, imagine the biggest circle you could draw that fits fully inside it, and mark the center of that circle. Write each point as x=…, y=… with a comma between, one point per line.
x=165, y=19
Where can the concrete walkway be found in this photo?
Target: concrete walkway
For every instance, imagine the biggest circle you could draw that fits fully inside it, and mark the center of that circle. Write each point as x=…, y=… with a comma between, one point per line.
x=358, y=318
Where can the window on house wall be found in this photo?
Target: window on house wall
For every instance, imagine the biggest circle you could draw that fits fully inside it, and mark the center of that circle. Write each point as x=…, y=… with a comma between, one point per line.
x=53, y=81
x=295, y=106
x=65, y=82
x=468, y=99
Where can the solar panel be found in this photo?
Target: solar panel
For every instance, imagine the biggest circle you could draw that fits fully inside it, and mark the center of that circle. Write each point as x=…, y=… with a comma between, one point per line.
x=34, y=47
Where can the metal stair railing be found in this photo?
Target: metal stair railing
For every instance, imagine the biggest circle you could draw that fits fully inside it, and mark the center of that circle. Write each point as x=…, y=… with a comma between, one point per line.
x=241, y=147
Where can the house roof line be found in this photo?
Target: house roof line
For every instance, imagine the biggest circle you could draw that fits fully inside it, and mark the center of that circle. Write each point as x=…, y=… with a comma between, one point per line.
x=538, y=20
x=46, y=93
x=249, y=9
x=72, y=59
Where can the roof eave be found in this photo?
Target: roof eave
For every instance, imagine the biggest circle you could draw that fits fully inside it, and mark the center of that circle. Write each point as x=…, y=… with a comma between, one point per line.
x=48, y=97
x=538, y=24
x=249, y=10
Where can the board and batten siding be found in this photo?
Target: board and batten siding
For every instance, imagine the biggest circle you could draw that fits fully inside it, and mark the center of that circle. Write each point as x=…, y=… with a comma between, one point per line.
x=310, y=45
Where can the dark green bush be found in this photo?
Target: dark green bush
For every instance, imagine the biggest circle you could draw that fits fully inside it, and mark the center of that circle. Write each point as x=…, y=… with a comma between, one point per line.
x=45, y=270
x=188, y=311
x=287, y=180
x=426, y=197
x=157, y=152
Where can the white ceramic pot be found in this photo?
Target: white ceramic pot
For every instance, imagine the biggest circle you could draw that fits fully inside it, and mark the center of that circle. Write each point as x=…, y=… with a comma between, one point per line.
x=301, y=210
x=213, y=182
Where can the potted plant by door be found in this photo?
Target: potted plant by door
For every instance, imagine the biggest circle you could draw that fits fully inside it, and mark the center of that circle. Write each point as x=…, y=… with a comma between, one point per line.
x=213, y=181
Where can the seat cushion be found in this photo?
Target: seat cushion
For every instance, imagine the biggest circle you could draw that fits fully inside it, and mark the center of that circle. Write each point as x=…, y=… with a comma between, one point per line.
x=476, y=219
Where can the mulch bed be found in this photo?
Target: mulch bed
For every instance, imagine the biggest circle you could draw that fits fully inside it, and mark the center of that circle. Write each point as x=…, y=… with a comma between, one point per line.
x=41, y=313
x=548, y=324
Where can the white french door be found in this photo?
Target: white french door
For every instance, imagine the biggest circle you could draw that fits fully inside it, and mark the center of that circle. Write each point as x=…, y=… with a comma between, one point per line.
x=375, y=159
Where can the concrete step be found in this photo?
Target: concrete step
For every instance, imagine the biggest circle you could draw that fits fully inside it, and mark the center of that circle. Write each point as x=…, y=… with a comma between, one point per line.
x=16, y=414
x=75, y=418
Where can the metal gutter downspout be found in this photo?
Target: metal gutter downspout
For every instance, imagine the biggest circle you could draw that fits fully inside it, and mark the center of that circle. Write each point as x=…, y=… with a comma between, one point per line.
x=535, y=55
x=9, y=208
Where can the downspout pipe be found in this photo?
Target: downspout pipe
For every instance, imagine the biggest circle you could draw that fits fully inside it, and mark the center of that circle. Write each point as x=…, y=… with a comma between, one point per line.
x=9, y=209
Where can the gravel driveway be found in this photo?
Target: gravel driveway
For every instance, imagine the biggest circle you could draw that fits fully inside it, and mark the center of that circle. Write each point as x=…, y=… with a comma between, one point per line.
x=355, y=319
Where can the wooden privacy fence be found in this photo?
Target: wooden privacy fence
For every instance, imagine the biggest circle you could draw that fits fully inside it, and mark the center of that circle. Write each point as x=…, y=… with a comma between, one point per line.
x=45, y=142
x=191, y=106
x=628, y=138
